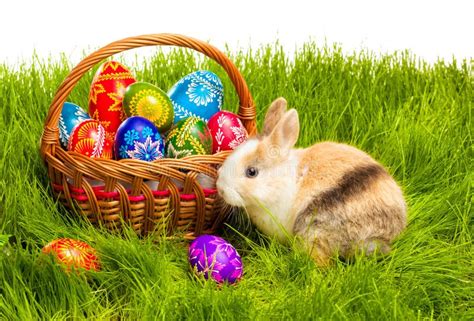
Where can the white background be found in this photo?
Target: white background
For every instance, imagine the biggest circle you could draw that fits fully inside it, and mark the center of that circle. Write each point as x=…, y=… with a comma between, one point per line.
x=430, y=29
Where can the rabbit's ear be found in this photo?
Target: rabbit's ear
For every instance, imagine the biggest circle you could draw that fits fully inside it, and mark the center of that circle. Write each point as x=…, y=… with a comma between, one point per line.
x=285, y=134
x=274, y=114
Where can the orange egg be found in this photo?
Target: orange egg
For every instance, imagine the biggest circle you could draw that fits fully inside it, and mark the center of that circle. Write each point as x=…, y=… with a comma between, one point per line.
x=89, y=138
x=73, y=253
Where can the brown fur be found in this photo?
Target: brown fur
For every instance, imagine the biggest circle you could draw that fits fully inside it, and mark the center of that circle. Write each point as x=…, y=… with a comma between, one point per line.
x=275, y=112
x=354, y=203
x=350, y=185
x=283, y=138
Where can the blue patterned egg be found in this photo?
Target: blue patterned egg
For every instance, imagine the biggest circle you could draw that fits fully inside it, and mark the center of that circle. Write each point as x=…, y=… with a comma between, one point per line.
x=71, y=116
x=199, y=94
x=138, y=138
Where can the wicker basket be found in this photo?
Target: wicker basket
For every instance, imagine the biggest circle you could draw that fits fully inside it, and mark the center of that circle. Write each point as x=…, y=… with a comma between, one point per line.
x=112, y=193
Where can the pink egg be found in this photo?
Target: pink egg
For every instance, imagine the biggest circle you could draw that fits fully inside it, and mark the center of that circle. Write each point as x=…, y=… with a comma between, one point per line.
x=227, y=131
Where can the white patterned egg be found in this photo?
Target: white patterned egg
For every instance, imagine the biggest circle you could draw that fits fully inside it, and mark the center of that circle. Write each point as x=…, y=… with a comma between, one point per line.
x=199, y=94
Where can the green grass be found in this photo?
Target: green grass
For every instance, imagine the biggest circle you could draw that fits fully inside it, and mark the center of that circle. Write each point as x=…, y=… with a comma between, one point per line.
x=413, y=117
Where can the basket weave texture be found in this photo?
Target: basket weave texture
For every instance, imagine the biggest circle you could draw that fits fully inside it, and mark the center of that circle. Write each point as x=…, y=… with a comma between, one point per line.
x=113, y=193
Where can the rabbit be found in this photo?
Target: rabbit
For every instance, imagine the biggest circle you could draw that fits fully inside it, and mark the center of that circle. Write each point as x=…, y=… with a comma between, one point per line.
x=333, y=197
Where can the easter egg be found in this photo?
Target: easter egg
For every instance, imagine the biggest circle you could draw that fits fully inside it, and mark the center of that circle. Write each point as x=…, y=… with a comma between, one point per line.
x=138, y=138
x=214, y=257
x=190, y=136
x=199, y=94
x=71, y=115
x=146, y=100
x=106, y=95
x=89, y=138
x=73, y=253
x=227, y=131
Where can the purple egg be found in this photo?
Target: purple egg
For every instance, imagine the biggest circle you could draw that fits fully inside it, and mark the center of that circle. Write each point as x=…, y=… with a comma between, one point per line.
x=214, y=256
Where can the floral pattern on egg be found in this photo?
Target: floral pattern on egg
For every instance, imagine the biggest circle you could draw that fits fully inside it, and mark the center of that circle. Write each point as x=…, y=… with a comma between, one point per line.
x=89, y=138
x=190, y=136
x=106, y=94
x=146, y=100
x=227, y=131
x=213, y=257
x=199, y=94
x=138, y=138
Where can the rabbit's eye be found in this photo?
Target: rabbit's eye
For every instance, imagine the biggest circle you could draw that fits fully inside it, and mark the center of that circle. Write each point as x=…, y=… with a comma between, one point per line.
x=251, y=172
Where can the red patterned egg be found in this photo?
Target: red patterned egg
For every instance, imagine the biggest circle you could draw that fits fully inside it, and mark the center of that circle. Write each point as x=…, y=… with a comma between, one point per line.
x=106, y=95
x=73, y=253
x=89, y=138
x=227, y=131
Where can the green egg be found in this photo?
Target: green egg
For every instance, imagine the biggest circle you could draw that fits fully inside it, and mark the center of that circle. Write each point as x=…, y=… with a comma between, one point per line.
x=146, y=100
x=189, y=136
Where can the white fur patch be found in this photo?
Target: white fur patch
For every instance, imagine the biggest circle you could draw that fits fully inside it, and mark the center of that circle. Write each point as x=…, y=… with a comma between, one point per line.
x=274, y=216
x=229, y=174
x=270, y=205
x=228, y=171
x=249, y=147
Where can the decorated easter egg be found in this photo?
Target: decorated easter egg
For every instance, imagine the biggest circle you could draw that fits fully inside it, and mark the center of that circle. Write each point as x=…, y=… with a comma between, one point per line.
x=89, y=138
x=138, y=138
x=71, y=116
x=73, y=253
x=190, y=136
x=144, y=99
x=227, y=131
x=199, y=94
x=106, y=95
x=214, y=257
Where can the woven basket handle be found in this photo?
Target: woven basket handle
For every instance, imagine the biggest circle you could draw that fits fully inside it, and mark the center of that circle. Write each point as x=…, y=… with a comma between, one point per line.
x=247, y=111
